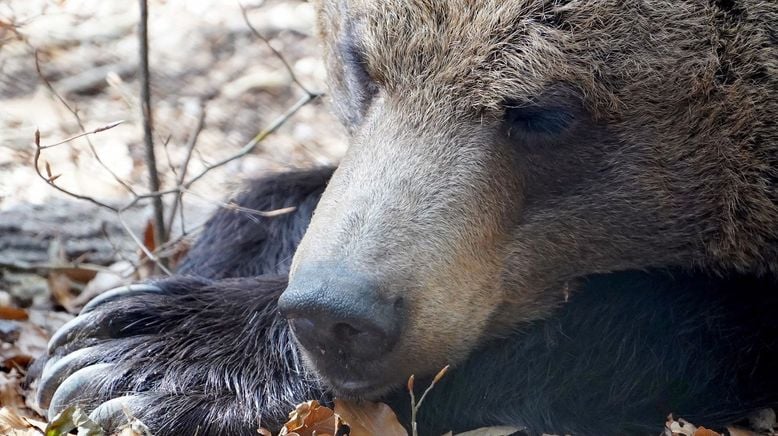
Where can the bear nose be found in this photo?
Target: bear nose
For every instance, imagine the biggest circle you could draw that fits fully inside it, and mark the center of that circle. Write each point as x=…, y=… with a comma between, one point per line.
x=337, y=315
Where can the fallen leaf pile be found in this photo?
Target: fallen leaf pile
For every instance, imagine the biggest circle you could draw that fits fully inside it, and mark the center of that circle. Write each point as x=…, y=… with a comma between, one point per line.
x=348, y=418
x=764, y=421
x=69, y=420
x=11, y=424
x=310, y=419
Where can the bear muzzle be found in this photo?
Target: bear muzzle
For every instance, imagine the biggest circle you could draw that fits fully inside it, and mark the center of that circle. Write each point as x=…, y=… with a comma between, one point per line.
x=344, y=324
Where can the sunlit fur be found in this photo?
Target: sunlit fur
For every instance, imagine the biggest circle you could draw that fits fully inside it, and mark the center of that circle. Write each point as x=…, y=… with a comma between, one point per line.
x=669, y=158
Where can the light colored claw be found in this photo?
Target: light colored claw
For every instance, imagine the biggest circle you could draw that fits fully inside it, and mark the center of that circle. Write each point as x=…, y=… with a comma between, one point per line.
x=72, y=390
x=118, y=292
x=58, y=369
x=85, y=323
x=117, y=412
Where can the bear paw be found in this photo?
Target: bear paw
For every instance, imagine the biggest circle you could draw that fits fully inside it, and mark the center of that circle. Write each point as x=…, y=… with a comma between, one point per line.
x=182, y=355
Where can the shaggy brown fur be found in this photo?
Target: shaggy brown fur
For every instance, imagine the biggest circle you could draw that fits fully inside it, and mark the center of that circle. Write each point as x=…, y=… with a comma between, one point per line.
x=666, y=155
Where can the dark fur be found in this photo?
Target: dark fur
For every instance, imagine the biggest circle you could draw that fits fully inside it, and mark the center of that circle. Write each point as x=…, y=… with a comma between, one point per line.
x=500, y=150
x=211, y=356
x=253, y=245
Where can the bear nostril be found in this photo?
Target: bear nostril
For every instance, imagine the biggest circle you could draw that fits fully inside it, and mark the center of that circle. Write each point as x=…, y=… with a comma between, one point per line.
x=341, y=316
x=345, y=332
x=342, y=338
x=305, y=330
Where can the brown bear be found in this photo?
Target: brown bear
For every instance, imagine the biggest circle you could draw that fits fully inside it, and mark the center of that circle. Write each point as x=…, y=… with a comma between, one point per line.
x=512, y=163
x=501, y=150
x=206, y=352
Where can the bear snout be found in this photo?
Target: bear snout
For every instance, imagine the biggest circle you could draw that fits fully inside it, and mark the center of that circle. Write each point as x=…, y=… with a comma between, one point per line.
x=341, y=320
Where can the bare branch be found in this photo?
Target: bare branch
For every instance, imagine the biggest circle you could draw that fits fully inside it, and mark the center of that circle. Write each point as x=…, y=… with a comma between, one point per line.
x=141, y=245
x=80, y=124
x=251, y=145
x=238, y=208
x=117, y=251
x=50, y=179
x=273, y=49
x=173, y=242
x=145, y=102
x=97, y=130
x=190, y=146
x=182, y=187
x=49, y=267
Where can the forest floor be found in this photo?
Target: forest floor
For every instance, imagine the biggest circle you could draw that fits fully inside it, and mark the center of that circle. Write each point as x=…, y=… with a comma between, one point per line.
x=69, y=67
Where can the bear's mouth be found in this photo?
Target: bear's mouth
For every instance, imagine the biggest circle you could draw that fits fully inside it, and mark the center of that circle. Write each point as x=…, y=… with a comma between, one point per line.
x=353, y=389
x=354, y=380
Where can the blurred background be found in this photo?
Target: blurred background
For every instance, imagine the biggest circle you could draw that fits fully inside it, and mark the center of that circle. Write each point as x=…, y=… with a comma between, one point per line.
x=201, y=53
x=69, y=67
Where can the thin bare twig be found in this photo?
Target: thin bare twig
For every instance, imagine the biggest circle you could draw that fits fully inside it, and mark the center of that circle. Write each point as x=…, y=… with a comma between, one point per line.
x=119, y=213
x=416, y=405
x=190, y=146
x=273, y=49
x=80, y=124
x=117, y=251
x=238, y=208
x=168, y=159
x=148, y=140
x=183, y=186
x=118, y=210
x=97, y=130
x=251, y=145
x=50, y=179
x=174, y=241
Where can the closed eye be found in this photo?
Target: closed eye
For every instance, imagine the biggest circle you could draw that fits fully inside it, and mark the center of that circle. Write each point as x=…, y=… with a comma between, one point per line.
x=359, y=87
x=355, y=64
x=534, y=120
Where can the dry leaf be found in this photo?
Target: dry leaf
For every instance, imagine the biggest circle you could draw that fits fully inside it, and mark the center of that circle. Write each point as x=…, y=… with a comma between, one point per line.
x=61, y=287
x=13, y=313
x=70, y=419
x=30, y=342
x=148, y=236
x=79, y=275
x=366, y=418
x=11, y=424
x=679, y=427
x=118, y=274
x=11, y=390
x=311, y=419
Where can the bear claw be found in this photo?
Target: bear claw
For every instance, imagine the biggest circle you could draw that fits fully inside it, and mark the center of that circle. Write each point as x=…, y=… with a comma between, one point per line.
x=73, y=391
x=80, y=326
x=114, y=413
x=120, y=291
x=58, y=369
x=89, y=324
